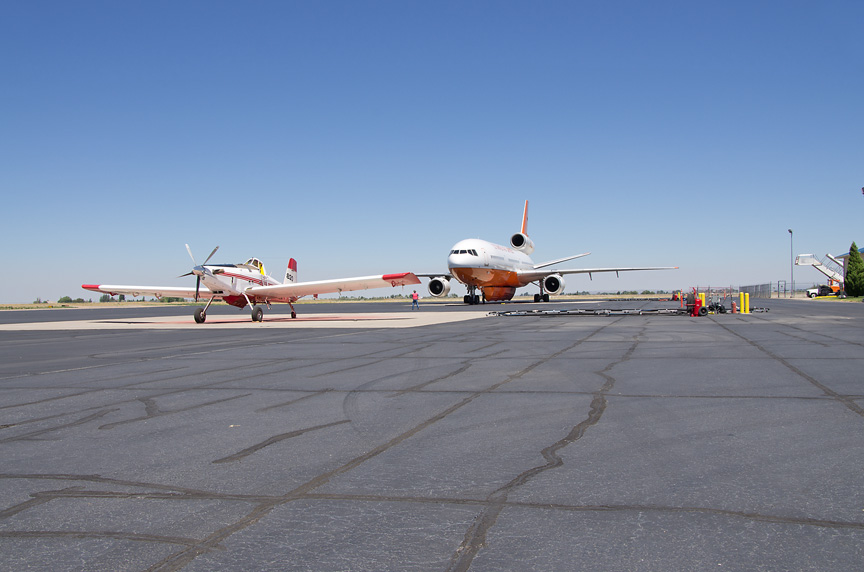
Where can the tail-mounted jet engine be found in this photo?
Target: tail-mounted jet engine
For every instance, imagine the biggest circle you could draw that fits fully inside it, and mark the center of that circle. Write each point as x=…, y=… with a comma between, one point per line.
x=522, y=243
x=439, y=286
x=554, y=283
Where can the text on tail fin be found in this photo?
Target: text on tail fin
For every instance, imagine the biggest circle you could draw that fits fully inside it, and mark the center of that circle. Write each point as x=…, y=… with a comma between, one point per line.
x=291, y=272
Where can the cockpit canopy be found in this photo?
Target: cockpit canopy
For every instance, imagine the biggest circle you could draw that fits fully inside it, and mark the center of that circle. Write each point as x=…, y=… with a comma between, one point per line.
x=255, y=264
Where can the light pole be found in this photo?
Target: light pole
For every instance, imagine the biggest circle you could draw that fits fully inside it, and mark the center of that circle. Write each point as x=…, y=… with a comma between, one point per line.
x=791, y=265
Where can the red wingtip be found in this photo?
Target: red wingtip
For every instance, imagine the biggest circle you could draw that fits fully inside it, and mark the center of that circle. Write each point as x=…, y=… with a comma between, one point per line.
x=94, y=287
x=403, y=278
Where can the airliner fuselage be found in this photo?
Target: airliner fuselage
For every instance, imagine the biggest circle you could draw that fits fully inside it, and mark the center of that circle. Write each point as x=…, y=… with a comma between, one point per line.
x=492, y=268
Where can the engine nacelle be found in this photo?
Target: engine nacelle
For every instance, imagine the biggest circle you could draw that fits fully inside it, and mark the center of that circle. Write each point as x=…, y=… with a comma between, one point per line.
x=439, y=286
x=522, y=243
x=554, y=283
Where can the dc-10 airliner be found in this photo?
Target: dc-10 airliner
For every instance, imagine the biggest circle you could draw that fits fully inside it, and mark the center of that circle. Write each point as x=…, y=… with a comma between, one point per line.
x=497, y=271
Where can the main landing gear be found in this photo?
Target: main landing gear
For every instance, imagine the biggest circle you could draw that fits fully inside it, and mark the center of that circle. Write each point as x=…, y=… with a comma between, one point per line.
x=257, y=314
x=256, y=311
x=543, y=296
x=472, y=297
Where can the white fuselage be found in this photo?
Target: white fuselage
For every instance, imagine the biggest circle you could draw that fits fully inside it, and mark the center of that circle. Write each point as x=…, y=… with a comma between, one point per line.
x=491, y=267
x=231, y=280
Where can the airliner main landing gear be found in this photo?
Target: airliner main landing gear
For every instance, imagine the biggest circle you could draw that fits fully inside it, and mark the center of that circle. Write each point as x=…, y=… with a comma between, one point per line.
x=542, y=296
x=472, y=297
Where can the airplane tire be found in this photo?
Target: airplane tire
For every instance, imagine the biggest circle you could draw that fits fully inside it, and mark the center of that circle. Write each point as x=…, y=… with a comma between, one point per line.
x=200, y=316
x=703, y=311
x=536, y=298
x=257, y=314
x=545, y=297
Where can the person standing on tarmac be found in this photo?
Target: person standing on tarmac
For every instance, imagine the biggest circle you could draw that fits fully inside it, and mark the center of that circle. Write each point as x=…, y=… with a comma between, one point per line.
x=415, y=300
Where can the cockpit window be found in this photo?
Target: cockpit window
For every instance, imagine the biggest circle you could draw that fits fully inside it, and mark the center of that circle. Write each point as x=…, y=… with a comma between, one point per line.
x=255, y=263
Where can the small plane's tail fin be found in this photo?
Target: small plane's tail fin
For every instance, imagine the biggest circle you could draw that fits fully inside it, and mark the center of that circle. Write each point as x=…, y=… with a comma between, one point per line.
x=525, y=220
x=291, y=272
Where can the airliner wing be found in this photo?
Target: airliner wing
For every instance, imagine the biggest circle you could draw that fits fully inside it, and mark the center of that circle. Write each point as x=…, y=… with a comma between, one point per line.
x=560, y=260
x=538, y=274
x=299, y=289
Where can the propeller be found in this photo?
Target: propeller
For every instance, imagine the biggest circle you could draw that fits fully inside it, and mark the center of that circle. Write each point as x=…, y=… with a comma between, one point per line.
x=198, y=270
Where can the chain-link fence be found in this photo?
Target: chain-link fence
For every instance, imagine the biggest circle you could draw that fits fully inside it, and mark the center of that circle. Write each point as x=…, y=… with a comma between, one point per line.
x=757, y=290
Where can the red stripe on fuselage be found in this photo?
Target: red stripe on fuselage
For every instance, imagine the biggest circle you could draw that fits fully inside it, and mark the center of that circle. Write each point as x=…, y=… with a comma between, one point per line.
x=258, y=281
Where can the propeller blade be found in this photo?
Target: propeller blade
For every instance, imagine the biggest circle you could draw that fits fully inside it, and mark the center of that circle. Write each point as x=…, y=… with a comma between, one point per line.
x=187, y=274
x=197, y=287
x=206, y=260
x=189, y=250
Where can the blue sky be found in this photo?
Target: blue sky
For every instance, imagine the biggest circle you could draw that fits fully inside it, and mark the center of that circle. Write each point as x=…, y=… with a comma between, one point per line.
x=369, y=137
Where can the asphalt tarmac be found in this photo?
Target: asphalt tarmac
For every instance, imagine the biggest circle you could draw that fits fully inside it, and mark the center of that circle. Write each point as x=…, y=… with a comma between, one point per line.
x=468, y=442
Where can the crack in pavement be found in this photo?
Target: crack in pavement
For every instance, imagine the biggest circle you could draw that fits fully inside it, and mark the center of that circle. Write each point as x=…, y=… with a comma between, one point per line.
x=180, y=559
x=475, y=537
x=845, y=400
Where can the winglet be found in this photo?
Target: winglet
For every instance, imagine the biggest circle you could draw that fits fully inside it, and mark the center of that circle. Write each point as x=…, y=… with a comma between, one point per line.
x=525, y=220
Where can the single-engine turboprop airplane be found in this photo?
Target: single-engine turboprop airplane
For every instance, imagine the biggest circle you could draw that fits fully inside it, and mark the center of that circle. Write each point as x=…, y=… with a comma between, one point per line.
x=248, y=284
x=497, y=271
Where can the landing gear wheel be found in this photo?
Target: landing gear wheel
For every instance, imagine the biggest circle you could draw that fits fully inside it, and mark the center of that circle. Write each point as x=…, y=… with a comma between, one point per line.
x=293, y=314
x=703, y=311
x=536, y=298
x=200, y=316
x=476, y=299
x=466, y=299
x=545, y=297
x=257, y=314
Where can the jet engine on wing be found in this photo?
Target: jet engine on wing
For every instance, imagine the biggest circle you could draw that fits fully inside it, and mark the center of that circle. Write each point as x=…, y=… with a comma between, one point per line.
x=439, y=286
x=554, y=283
x=522, y=243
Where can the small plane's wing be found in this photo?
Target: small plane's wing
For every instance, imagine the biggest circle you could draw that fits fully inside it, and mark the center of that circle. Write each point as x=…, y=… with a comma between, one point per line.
x=446, y=275
x=157, y=291
x=299, y=289
x=538, y=274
